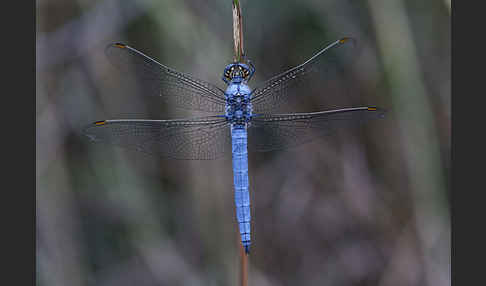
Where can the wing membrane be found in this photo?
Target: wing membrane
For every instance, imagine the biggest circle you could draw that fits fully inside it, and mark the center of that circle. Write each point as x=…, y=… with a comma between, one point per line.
x=192, y=139
x=172, y=86
x=322, y=68
x=280, y=131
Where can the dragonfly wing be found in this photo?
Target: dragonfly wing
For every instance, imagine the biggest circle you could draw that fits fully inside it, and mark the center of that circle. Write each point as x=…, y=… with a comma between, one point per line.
x=280, y=131
x=187, y=139
x=322, y=68
x=172, y=86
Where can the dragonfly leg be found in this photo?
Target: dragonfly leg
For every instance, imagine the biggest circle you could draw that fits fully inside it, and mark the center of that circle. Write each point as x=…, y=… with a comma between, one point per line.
x=252, y=69
x=225, y=80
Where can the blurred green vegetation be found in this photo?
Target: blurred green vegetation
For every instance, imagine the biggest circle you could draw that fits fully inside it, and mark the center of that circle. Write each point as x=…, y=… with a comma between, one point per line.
x=365, y=207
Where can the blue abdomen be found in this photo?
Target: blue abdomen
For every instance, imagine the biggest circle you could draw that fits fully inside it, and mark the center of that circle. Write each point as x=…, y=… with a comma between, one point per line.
x=240, y=180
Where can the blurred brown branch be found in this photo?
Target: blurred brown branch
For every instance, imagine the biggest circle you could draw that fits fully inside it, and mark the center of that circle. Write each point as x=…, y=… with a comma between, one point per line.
x=78, y=36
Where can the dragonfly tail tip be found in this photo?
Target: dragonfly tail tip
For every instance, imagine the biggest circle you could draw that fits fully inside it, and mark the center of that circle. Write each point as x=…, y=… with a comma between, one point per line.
x=247, y=249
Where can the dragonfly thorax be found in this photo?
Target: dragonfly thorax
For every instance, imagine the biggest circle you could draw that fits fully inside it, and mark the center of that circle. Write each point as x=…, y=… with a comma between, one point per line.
x=238, y=106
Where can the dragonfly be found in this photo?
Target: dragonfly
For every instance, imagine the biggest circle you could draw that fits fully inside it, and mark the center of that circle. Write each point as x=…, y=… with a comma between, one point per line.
x=243, y=119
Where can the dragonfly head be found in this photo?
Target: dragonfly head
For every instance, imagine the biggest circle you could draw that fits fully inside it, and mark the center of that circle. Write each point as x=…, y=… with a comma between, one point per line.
x=237, y=72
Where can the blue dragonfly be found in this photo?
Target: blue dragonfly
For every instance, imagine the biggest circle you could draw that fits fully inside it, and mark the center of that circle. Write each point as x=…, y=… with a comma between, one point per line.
x=243, y=123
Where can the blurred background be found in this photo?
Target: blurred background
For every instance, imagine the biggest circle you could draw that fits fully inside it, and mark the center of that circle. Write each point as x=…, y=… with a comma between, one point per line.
x=368, y=206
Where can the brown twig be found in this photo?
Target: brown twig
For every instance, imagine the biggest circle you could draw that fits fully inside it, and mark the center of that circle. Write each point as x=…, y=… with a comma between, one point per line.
x=239, y=57
x=244, y=264
x=238, y=32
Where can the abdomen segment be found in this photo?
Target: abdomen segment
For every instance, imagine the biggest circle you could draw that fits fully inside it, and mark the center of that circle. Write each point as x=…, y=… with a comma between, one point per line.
x=240, y=179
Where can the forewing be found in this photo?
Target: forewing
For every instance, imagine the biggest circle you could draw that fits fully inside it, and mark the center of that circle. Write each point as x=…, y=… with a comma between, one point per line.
x=280, y=131
x=173, y=87
x=323, y=68
x=194, y=139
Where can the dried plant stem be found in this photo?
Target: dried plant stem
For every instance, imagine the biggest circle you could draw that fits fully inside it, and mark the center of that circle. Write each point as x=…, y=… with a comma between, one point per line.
x=244, y=265
x=239, y=57
x=238, y=31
